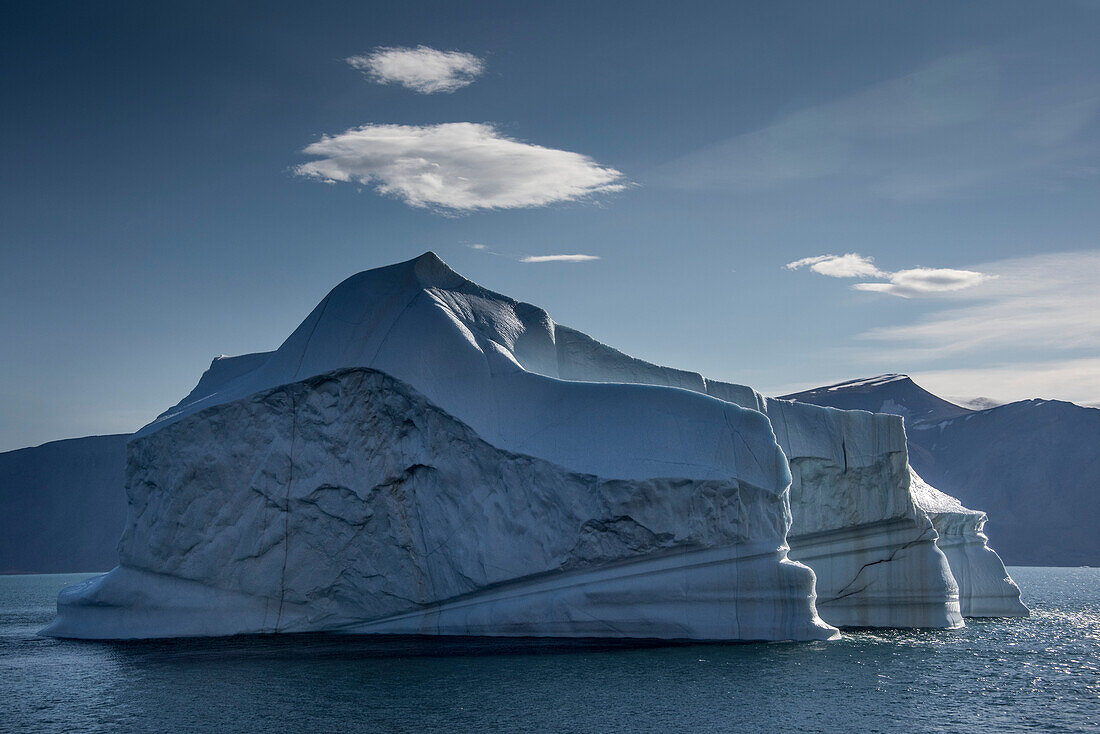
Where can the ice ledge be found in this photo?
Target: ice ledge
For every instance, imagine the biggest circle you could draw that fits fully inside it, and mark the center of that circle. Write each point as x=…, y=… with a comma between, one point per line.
x=679, y=596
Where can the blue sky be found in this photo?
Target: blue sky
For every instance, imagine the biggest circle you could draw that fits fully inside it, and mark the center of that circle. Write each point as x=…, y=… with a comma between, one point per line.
x=157, y=207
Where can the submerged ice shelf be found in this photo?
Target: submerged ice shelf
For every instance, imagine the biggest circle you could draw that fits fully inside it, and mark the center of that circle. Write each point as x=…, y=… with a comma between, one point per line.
x=423, y=455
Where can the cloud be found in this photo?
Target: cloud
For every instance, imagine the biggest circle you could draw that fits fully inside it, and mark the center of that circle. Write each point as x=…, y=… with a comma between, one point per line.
x=925, y=281
x=458, y=166
x=851, y=265
x=910, y=283
x=421, y=69
x=536, y=258
x=1042, y=303
x=558, y=258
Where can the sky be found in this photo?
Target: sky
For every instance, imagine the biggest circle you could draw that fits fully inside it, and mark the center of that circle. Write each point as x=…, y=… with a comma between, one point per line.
x=779, y=194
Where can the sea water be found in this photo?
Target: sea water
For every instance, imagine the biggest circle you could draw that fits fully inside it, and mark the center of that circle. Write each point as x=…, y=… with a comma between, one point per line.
x=1041, y=673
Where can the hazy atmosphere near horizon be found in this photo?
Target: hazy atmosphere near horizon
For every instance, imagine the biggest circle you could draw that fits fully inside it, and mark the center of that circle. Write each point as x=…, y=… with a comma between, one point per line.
x=783, y=195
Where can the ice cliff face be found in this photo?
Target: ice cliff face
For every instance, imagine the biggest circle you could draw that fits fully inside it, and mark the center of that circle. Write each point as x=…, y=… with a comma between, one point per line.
x=985, y=588
x=856, y=522
x=519, y=504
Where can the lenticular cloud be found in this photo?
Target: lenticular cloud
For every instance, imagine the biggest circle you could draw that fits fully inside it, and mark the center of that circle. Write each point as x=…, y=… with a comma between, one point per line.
x=459, y=166
x=925, y=281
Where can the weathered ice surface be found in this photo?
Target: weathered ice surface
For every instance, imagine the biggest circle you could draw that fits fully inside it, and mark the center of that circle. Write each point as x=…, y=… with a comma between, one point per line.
x=985, y=588
x=349, y=502
x=62, y=505
x=855, y=521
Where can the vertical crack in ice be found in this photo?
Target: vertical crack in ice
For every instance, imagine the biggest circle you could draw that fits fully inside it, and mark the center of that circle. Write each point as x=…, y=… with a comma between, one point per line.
x=286, y=506
x=426, y=571
x=734, y=597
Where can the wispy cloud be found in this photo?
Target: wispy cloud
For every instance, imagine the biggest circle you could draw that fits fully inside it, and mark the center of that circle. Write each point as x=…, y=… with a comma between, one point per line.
x=558, y=258
x=946, y=127
x=421, y=69
x=914, y=282
x=851, y=265
x=563, y=258
x=458, y=166
x=1034, y=304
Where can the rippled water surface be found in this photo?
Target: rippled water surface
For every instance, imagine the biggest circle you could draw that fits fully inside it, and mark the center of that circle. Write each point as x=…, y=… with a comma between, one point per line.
x=1036, y=674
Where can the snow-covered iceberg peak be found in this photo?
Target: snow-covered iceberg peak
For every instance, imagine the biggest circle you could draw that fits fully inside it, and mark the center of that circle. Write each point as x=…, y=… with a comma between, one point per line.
x=484, y=358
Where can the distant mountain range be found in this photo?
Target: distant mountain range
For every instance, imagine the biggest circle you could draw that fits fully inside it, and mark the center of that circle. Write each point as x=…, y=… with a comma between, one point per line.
x=1032, y=465
x=63, y=505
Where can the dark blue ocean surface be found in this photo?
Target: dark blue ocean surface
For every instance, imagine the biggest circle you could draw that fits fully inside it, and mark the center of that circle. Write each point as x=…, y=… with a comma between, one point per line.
x=1035, y=674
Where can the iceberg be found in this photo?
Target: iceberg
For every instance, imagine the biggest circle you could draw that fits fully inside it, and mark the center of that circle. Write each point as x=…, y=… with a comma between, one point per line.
x=620, y=443
x=411, y=460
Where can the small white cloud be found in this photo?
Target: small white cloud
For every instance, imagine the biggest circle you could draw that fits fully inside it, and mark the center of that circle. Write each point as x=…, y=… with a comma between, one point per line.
x=421, y=69
x=558, y=258
x=925, y=281
x=851, y=265
x=459, y=166
x=476, y=247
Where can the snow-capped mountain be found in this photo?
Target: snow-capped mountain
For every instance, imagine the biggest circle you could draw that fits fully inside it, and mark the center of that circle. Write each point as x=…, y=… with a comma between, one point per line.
x=1036, y=463
x=895, y=394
